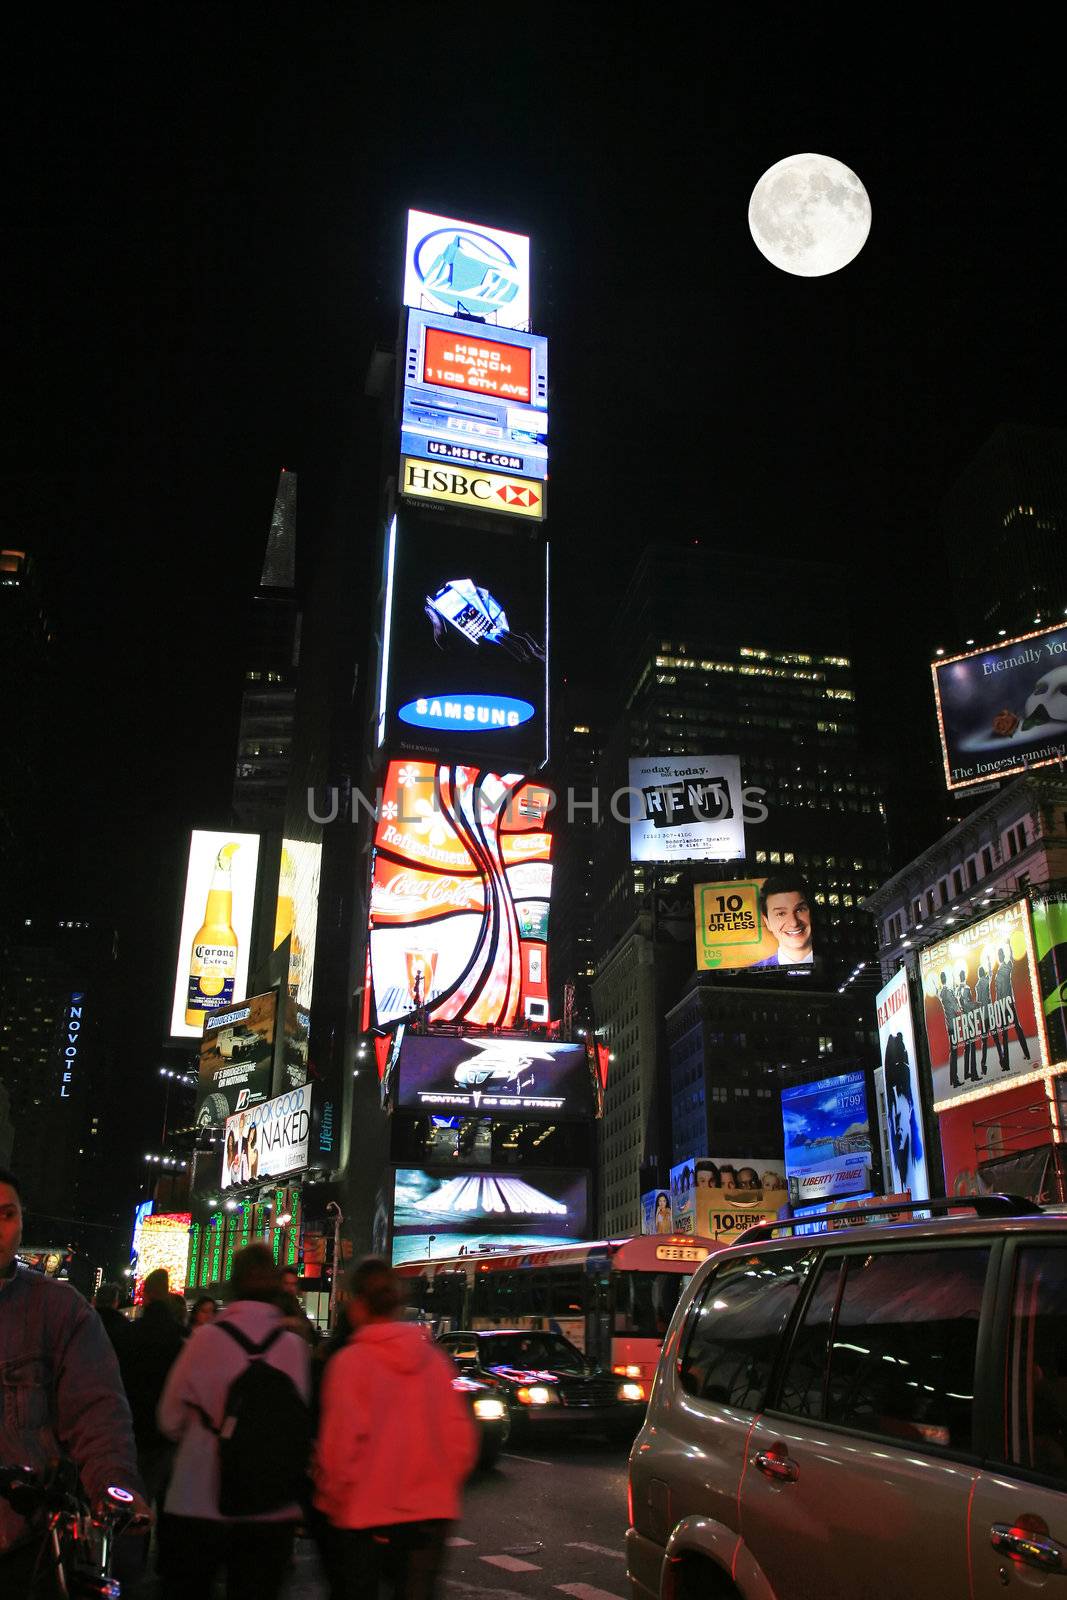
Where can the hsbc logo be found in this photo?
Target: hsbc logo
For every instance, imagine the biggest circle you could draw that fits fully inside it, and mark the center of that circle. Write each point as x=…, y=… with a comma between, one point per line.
x=483, y=491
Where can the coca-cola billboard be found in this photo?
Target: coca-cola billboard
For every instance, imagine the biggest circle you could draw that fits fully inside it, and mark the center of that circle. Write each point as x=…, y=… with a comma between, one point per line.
x=460, y=896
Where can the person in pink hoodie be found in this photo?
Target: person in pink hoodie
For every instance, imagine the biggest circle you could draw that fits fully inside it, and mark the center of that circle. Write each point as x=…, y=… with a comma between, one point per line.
x=395, y=1444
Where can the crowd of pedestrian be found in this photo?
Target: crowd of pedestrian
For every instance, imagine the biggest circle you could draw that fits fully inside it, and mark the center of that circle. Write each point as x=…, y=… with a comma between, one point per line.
x=235, y=1428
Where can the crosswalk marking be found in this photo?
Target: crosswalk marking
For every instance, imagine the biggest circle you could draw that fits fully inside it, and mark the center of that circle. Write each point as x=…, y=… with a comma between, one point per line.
x=456, y=1541
x=586, y=1591
x=598, y=1550
x=513, y=1564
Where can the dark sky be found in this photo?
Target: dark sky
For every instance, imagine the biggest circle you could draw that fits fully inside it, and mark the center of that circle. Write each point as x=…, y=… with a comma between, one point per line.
x=203, y=220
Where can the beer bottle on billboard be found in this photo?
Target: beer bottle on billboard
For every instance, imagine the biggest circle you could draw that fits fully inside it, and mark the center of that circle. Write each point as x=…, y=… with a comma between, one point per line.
x=285, y=922
x=213, y=960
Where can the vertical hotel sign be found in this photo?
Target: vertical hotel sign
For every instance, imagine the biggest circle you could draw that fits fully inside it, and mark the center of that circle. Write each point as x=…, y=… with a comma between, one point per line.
x=72, y=1028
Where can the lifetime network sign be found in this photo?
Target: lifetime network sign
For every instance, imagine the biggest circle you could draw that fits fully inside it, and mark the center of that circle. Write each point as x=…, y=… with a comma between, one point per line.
x=462, y=269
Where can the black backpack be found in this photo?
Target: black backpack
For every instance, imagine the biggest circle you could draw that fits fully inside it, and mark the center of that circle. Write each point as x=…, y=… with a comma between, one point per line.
x=265, y=1436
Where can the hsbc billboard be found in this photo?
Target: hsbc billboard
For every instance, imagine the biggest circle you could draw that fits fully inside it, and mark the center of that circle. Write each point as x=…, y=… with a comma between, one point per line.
x=473, y=488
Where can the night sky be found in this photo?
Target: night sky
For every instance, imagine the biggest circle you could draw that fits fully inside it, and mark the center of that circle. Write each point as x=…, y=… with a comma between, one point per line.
x=204, y=220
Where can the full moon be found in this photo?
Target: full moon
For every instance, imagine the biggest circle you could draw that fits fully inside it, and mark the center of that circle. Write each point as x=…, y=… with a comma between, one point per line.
x=809, y=215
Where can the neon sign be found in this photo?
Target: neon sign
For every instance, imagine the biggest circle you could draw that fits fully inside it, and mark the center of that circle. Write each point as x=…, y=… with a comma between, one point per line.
x=485, y=711
x=70, y=1049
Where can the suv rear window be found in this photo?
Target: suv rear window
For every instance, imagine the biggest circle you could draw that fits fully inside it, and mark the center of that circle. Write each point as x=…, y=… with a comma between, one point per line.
x=1038, y=1351
x=892, y=1351
x=733, y=1334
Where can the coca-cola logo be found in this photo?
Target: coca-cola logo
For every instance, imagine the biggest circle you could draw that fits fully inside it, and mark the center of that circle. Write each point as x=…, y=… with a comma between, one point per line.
x=434, y=891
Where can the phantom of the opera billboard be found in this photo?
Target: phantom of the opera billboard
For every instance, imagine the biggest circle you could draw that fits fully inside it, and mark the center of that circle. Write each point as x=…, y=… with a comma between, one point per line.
x=468, y=270
x=465, y=1211
x=464, y=664
x=756, y=925
x=460, y=897
x=236, y=1060
x=901, y=1112
x=827, y=1139
x=490, y=1076
x=474, y=397
x=979, y=999
x=686, y=808
x=270, y=1140
x=216, y=928
x=1003, y=710
x=718, y=1197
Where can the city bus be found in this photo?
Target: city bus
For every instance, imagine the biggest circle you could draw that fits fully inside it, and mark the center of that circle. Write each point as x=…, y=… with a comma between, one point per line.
x=612, y=1298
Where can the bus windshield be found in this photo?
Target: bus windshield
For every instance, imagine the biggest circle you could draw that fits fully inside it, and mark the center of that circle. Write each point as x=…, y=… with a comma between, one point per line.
x=645, y=1302
x=527, y=1350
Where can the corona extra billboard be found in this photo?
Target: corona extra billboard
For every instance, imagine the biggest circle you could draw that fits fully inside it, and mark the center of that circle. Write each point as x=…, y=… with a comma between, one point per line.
x=216, y=928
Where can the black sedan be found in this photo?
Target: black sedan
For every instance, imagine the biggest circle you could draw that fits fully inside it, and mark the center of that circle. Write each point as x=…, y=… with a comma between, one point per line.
x=491, y=1416
x=547, y=1383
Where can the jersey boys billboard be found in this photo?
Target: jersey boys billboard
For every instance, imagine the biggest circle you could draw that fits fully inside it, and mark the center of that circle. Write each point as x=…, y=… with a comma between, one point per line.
x=475, y=398
x=1003, y=710
x=465, y=642
x=979, y=1000
x=685, y=808
x=493, y=1076
x=465, y=269
x=460, y=896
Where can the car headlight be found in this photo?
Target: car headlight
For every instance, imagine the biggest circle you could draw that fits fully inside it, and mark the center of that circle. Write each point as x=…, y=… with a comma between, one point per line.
x=631, y=1391
x=490, y=1410
x=536, y=1394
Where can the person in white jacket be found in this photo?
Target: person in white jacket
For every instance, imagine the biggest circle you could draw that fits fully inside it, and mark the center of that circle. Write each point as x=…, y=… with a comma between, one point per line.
x=395, y=1444
x=196, y=1540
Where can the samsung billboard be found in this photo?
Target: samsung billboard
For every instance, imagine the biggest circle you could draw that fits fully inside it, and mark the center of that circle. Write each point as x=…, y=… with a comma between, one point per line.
x=474, y=397
x=1003, y=710
x=491, y=1076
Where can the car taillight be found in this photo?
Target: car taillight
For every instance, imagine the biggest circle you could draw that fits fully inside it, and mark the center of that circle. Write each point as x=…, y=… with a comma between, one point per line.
x=629, y=1500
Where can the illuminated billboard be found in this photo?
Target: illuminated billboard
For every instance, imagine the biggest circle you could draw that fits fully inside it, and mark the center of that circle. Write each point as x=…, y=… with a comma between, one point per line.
x=686, y=808
x=269, y=1140
x=755, y=925
x=827, y=1139
x=297, y=911
x=656, y=1211
x=980, y=1006
x=216, y=928
x=164, y=1243
x=465, y=269
x=493, y=1076
x=905, y=1142
x=474, y=397
x=236, y=1060
x=1003, y=710
x=504, y=494
x=1049, y=914
x=465, y=643
x=718, y=1197
x=467, y=1211
x=459, y=897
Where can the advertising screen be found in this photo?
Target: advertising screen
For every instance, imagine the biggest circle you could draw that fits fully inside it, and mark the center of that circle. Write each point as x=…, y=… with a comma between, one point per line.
x=475, y=397
x=495, y=1076
x=465, y=660
x=269, y=1140
x=216, y=928
x=297, y=911
x=464, y=269
x=979, y=1003
x=164, y=1243
x=656, y=1211
x=1050, y=949
x=756, y=925
x=827, y=1139
x=686, y=808
x=502, y=494
x=903, y=1119
x=718, y=1197
x=1003, y=710
x=236, y=1060
x=465, y=1212
x=459, y=897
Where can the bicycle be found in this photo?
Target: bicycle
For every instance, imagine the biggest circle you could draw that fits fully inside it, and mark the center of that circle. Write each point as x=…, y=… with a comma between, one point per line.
x=81, y=1543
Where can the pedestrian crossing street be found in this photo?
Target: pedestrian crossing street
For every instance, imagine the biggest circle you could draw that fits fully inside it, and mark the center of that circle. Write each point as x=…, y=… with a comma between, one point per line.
x=516, y=1565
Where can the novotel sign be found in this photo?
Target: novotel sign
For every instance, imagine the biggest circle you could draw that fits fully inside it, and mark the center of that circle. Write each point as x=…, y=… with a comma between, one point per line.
x=72, y=1045
x=485, y=712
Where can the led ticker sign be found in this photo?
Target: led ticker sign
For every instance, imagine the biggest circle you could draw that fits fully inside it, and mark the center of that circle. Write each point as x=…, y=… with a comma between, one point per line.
x=478, y=711
x=476, y=398
x=463, y=269
x=472, y=488
x=1003, y=710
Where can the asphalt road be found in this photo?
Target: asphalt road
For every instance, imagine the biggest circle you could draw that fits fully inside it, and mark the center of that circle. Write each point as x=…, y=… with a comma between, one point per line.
x=548, y=1520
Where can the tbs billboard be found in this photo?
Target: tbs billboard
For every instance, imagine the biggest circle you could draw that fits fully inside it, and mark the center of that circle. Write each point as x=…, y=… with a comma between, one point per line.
x=491, y=1076
x=685, y=808
x=1003, y=710
x=464, y=669
x=755, y=925
x=475, y=398
x=465, y=269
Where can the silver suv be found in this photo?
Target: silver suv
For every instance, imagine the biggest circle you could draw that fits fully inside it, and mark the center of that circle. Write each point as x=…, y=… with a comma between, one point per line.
x=878, y=1413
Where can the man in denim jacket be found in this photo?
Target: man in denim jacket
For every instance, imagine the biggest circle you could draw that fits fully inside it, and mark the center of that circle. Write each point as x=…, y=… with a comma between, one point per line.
x=60, y=1392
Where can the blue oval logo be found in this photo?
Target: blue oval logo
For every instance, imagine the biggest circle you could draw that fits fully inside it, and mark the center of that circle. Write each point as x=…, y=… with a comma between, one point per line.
x=467, y=713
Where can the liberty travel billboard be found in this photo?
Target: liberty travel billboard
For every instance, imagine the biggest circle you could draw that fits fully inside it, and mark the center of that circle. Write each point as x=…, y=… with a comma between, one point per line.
x=488, y=1075
x=216, y=928
x=686, y=808
x=827, y=1139
x=905, y=1141
x=1003, y=710
x=980, y=1006
x=466, y=269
